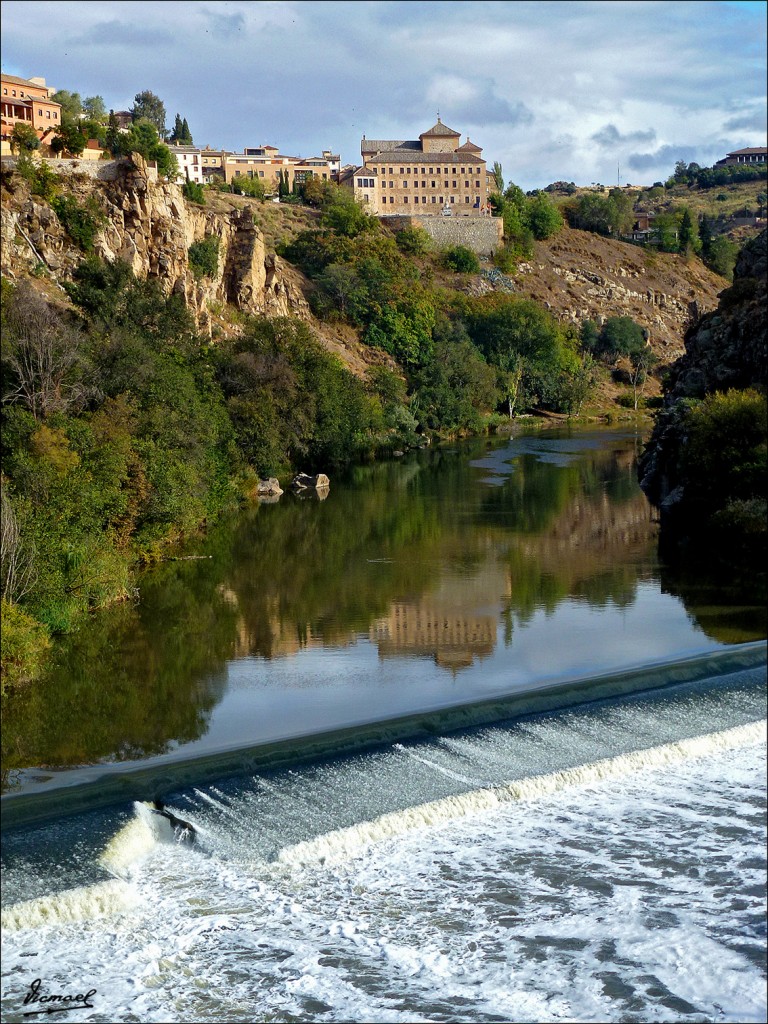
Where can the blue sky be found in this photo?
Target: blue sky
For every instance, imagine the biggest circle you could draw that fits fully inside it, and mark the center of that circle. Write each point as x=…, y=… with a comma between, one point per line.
x=582, y=90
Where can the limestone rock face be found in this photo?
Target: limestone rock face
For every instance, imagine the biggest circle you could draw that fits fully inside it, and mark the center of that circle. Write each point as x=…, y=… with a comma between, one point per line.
x=150, y=226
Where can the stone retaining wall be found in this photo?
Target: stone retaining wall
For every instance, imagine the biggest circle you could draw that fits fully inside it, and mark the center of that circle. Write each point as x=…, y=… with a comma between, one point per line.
x=481, y=234
x=102, y=170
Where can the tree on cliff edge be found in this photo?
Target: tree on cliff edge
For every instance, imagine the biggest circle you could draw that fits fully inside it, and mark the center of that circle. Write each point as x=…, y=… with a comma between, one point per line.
x=147, y=105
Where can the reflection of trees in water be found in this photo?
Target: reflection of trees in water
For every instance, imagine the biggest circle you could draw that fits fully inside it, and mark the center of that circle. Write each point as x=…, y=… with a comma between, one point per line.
x=425, y=562
x=417, y=556
x=727, y=600
x=136, y=678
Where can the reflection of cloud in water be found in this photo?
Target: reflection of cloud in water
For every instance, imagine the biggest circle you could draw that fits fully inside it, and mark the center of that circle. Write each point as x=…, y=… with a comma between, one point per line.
x=556, y=451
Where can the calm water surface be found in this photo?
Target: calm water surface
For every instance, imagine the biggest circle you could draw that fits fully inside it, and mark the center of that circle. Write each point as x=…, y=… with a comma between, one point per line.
x=449, y=577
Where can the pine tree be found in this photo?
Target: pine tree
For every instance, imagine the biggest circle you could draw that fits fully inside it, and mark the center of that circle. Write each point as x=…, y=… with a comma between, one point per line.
x=176, y=134
x=113, y=134
x=186, y=134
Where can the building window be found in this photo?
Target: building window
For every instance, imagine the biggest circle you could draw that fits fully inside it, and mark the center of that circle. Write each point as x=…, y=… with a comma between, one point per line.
x=477, y=184
x=453, y=199
x=416, y=183
x=40, y=112
x=434, y=199
x=423, y=199
x=48, y=114
x=466, y=199
x=391, y=171
x=55, y=115
x=405, y=184
x=408, y=170
x=402, y=170
x=405, y=199
x=466, y=184
x=365, y=196
x=455, y=170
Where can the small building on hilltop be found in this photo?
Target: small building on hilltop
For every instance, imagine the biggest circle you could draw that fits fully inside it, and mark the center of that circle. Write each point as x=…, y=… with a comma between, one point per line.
x=433, y=175
x=751, y=155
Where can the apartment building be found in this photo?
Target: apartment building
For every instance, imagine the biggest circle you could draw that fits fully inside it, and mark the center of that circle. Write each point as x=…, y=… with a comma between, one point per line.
x=432, y=175
x=267, y=164
x=27, y=101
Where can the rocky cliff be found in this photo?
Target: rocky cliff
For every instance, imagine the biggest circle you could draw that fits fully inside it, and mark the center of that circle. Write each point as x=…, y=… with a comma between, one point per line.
x=725, y=349
x=581, y=276
x=149, y=225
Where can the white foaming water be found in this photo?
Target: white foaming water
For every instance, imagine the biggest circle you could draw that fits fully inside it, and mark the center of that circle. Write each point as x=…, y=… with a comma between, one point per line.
x=498, y=875
x=84, y=903
x=349, y=841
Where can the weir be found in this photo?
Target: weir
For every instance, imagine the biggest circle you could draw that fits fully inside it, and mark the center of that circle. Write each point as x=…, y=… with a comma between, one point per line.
x=107, y=785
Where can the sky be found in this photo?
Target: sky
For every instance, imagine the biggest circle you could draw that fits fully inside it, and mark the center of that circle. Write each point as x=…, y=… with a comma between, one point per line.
x=583, y=90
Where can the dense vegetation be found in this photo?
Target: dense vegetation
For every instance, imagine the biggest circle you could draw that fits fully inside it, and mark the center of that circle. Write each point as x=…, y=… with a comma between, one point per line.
x=124, y=430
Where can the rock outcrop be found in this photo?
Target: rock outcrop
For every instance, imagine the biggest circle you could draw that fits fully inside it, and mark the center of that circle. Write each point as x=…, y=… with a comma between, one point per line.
x=149, y=225
x=578, y=275
x=725, y=349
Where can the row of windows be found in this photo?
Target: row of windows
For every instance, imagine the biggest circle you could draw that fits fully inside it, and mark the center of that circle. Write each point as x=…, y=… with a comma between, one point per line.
x=371, y=182
x=430, y=170
x=432, y=199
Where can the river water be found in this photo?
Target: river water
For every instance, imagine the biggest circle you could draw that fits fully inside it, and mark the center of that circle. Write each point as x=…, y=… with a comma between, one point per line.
x=455, y=746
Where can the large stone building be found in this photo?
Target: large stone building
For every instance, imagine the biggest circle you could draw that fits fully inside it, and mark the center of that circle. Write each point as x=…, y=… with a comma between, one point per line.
x=428, y=176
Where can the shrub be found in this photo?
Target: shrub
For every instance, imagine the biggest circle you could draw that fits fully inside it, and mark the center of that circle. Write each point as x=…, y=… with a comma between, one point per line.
x=461, y=260
x=193, y=192
x=203, y=257
x=82, y=223
x=413, y=241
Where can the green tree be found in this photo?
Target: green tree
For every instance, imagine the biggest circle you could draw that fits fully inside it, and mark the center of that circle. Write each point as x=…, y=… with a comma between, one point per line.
x=620, y=336
x=203, y=257
x=113, y=135
x=178, y=130
x=461, y=260
x=143, y=139
x=186, y=134
x=24, y=138
x=94, y=107
x=721, y=256
x=147, y=105
x=71, y=104
x=688, y=239
x=498, y=177
x=543, y=217
x=71, y=138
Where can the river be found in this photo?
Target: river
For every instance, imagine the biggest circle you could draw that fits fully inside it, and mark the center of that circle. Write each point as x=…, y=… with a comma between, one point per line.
x=455, y=745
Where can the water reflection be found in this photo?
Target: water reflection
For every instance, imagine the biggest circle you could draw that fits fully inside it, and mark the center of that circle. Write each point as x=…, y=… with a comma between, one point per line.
x=441, y=557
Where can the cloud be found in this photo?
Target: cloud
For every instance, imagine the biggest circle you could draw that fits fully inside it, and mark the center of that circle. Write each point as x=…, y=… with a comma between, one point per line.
x=666, y=156
x=609, y=137
x=754, y=122
x=224, y=25
x=474, y=101
x=122, y=34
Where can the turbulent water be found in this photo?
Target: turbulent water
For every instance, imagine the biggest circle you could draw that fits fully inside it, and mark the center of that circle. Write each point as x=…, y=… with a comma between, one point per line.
x=605, y=862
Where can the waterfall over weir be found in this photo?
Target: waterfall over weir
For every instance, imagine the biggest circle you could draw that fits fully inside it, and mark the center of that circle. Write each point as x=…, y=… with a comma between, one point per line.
x=470, y=875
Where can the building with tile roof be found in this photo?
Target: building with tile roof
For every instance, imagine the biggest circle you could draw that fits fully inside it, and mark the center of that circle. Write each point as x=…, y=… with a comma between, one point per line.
x=429, y=176
x=27, y=101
